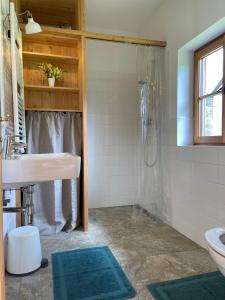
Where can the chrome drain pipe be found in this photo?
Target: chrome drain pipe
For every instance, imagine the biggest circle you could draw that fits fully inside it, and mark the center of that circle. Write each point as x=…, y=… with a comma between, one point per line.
x=27, y=210
x=14, y=209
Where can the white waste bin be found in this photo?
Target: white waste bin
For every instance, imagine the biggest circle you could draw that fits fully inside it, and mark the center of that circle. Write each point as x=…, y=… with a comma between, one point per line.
x=23, y=250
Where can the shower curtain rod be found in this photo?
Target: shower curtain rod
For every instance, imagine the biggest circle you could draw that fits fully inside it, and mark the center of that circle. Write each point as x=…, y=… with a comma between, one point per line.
x=98, y=36
x=123, y=39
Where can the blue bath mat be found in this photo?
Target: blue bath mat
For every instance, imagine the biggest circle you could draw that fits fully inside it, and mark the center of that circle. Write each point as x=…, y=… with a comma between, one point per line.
x=89, y=274
x=210, y=286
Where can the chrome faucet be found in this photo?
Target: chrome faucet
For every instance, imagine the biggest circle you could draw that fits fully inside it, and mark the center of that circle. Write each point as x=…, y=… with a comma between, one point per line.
x=12, y=147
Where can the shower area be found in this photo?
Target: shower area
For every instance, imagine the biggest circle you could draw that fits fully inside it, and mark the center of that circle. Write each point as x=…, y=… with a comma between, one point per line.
x=126, y=116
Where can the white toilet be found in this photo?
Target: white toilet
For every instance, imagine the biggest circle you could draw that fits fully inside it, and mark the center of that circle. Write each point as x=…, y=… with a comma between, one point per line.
x=215, y=239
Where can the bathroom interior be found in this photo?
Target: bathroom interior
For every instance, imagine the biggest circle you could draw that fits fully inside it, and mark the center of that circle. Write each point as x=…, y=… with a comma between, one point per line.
x=112, y=123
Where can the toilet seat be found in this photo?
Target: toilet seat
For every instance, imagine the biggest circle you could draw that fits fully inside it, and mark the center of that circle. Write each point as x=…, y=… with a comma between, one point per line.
x=212, y=237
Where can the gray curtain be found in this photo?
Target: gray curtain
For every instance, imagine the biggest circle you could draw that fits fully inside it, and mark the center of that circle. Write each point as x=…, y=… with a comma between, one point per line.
x=56, y=203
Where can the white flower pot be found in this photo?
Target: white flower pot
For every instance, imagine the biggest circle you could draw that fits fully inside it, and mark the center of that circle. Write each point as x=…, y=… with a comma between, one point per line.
x=51, y=82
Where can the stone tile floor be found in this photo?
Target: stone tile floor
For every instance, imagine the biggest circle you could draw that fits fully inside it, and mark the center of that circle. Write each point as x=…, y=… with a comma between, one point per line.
x=147, y=249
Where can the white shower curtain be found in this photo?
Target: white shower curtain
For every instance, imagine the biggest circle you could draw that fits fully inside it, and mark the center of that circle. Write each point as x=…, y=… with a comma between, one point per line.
x=154, y=191
x=56, y=203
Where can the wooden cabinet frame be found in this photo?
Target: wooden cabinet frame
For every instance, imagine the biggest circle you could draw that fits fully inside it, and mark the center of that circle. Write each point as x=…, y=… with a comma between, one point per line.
x=198, y=55
x=66, y=49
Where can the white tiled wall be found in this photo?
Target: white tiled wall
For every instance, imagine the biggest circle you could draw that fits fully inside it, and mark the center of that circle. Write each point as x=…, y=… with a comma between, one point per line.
x=198, y=189
x=112, y=123
x=197, y=186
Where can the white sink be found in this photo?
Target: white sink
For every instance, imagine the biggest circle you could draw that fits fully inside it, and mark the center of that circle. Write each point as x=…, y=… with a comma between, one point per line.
x=29, y=169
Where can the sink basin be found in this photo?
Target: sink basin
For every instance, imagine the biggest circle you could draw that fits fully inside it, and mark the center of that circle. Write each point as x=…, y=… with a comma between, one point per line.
x=29, y=169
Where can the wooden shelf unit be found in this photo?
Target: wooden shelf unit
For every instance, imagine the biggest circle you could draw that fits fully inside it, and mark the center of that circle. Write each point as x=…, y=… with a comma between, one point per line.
x=66, y=49
x=63, y=51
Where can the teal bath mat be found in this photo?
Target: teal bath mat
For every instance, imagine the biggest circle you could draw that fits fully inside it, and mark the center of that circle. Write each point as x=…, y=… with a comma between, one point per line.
x=210, y=286
x=89, y=274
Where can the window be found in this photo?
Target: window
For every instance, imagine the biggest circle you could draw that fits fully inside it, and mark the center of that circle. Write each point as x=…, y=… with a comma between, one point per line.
x=209, y=97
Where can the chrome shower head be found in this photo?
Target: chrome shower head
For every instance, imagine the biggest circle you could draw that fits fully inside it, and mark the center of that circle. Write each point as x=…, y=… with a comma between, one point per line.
x=142, y=82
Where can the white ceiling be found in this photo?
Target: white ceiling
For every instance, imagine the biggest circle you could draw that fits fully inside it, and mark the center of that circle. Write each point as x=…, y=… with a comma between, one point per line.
x=118, y=15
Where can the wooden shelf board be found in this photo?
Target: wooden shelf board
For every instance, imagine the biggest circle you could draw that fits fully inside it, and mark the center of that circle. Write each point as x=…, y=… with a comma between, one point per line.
x=51, y=89
x=51, y=35
x=54, y=31
x=36, y=55
x=53, y=109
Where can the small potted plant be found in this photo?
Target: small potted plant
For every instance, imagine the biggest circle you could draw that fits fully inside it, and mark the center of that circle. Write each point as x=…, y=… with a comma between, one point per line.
x=51, y=72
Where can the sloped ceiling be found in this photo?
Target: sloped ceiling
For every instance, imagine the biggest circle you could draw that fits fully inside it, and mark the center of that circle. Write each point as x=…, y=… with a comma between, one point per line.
x=118, y=15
